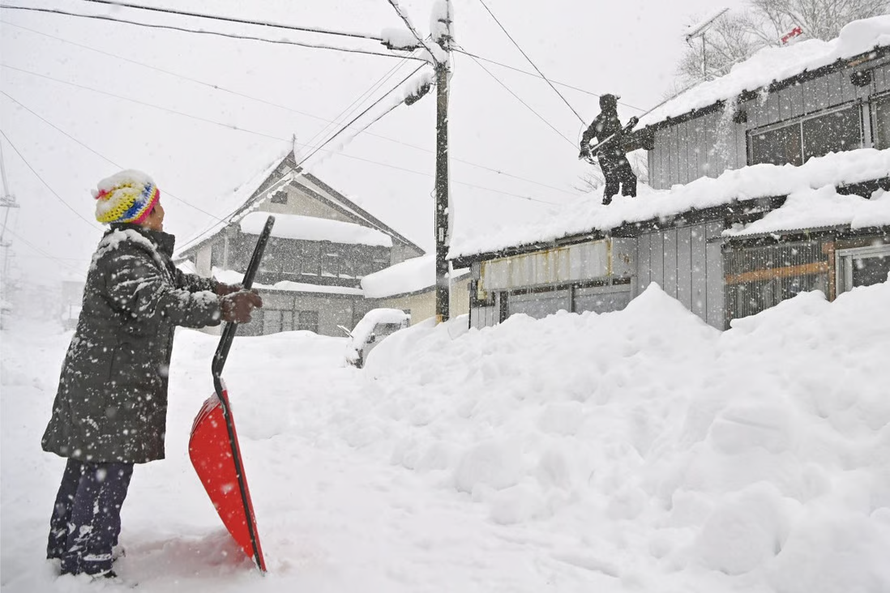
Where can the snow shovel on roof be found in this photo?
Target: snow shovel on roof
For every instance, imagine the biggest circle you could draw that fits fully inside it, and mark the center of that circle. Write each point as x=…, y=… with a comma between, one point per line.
x=213, y=445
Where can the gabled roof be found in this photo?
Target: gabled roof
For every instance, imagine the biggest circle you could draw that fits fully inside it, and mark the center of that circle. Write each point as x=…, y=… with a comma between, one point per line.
x=284, y=172
x=769, y=68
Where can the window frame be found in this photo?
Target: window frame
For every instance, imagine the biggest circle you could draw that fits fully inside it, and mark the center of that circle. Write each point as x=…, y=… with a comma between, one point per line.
x=843, y=259
x=799, y=123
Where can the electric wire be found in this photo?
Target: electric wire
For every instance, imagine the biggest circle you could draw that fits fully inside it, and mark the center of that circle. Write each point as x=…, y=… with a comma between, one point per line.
x=100, y=155
x=61, y=260
x=206, y=32
x=354, y=105
x=117, y=4
x=303, y=113
x=42, y=180
x=538, y=70
x=463, y=51
x=518, y=98
x=357, y=117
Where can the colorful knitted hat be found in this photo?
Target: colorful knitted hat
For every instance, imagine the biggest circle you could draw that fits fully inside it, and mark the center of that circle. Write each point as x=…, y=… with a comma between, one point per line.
x=127, y=196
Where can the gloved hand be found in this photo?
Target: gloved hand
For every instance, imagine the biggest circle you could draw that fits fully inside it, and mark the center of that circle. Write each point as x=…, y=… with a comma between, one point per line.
x=236, y=307
x=585, y=152
x=224, y=289
x=633, y=121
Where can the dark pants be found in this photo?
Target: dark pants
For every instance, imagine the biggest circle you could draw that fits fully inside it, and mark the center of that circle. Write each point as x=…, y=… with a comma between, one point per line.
x=617, y=171
x=87, y=516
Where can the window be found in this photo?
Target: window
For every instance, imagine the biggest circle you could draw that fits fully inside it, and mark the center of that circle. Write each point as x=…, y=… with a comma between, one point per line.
x=330, y=262
x=802, y=140
x=834, y=132
x=279, y=197
x=862, y=267
x=347, y=265
x=310, y=259
x=778, y=147
x=882, y=122
x=308, y=321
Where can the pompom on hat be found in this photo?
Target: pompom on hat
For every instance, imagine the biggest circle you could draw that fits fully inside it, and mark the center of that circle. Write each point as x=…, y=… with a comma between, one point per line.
x=128, y=196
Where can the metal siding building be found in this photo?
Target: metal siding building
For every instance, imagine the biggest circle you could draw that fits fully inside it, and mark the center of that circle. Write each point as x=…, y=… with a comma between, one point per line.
x=842, y=106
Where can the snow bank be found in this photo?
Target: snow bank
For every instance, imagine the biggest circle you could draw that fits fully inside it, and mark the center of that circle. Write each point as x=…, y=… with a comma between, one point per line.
x=760, y=453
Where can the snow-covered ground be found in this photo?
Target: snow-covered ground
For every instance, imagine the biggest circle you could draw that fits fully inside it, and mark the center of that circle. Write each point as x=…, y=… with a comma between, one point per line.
x=633, y=451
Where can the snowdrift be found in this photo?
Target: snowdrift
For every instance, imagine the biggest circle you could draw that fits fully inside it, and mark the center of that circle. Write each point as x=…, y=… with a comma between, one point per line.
x=761, y=453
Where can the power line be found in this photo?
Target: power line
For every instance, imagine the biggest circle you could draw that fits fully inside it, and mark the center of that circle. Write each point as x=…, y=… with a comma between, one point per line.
x=527, y=73
x=117, y=4
x=289, y=109
x=61, y=260
x=204, y=32
x=24, y=160
x=143, y=103
x=353, y=106
x=530, y=60
x=518, y=98
x=64, y=133
x=371, y=106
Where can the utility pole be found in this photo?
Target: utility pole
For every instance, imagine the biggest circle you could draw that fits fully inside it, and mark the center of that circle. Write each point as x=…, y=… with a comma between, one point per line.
x=7, y=201
x=444, y=212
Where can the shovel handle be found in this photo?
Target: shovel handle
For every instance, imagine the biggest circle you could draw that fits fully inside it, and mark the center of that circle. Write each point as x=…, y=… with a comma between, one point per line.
x=228, y=333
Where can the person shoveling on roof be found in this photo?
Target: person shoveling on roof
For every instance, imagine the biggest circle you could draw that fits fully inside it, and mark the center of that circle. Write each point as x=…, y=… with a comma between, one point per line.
x=110, y=409
x=607, y=130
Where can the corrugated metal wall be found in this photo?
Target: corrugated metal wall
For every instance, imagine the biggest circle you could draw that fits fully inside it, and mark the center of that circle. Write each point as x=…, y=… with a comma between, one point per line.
x=687, y=262
x=711, y=144
x=702, y=147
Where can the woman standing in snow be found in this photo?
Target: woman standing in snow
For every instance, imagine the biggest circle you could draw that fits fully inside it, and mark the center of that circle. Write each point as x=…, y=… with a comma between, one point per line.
x=110, y=410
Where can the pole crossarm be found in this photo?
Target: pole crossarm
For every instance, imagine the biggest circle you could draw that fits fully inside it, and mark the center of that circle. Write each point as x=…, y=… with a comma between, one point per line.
x=407, y=21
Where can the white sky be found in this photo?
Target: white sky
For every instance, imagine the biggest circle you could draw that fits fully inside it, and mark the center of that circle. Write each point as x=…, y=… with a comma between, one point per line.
x=629, y=48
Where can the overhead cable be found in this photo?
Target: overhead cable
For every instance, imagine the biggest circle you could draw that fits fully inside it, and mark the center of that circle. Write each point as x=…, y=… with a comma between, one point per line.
x=526, y=72
x=117, y=4
x=42, y=180
x=204, y=32
x=290, y=109
x=518, y=98
x=530, y=60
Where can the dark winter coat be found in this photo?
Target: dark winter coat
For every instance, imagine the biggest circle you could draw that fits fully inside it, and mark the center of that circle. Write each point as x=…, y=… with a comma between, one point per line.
x=603, y=126
x=111, y=405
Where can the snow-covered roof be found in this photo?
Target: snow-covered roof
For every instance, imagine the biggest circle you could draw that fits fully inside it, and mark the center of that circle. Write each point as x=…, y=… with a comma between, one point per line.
x=233, y=277
x=413, y=275
x=776, y=64
x=310, y=228
x=758, y=181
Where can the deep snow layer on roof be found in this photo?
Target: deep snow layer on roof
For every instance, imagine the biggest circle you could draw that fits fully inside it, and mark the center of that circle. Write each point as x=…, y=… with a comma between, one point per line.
x=310, y=228
x=413, y=275
x=233, y=277
x=757, y=181
x=775, y=64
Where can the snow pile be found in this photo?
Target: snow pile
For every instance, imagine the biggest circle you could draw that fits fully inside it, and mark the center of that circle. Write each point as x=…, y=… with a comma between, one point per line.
x=757, y=181
x=310, y=228
x=777, y=63
x=759, y=454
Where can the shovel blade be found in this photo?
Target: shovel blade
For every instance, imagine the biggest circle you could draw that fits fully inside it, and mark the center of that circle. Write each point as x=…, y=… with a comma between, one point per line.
x=216, y=457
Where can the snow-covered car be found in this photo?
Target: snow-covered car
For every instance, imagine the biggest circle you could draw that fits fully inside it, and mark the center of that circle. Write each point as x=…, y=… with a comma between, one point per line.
x=376, y=325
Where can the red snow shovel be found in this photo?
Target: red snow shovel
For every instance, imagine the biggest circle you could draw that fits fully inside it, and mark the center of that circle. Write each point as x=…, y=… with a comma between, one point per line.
x=213, y=446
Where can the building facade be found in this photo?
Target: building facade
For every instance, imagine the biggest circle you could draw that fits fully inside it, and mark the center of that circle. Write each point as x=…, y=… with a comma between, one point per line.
x=704, y=256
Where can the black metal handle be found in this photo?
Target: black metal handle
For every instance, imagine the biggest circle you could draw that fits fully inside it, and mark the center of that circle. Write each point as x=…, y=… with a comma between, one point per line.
x=228, y=333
